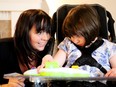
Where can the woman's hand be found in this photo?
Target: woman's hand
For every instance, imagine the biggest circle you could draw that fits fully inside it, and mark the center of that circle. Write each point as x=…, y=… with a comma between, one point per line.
x=15, y=82
x=111, y=73
x=47, y=58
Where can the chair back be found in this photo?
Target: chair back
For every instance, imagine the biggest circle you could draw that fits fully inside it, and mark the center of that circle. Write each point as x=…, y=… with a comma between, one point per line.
x=106, y=20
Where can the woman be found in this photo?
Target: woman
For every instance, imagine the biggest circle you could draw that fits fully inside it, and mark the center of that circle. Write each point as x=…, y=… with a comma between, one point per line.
x=32, y=40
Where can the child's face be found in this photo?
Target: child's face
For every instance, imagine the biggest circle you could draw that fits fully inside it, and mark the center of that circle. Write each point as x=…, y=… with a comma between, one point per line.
x=78, y=40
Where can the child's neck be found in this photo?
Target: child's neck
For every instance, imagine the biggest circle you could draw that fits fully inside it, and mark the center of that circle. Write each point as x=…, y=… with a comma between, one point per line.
x=91, y=42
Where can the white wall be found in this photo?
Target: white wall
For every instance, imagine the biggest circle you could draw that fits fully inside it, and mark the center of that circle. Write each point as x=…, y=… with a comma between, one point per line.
x=50, y=6
x=11, y=9
x=108, y=4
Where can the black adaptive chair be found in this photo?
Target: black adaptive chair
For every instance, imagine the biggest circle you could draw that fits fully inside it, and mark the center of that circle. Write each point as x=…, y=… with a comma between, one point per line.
x=107, y=22
x=106, y=30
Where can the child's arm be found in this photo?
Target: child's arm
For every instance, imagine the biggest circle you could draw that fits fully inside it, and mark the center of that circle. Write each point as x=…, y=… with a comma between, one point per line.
x=60, y=57
x=112, y=72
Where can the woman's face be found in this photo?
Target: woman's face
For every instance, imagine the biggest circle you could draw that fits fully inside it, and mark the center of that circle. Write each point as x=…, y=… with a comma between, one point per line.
x=78, y=40
x=38, y=40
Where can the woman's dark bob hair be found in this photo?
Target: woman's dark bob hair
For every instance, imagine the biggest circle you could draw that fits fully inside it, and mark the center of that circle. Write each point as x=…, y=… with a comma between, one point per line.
x=28, y=19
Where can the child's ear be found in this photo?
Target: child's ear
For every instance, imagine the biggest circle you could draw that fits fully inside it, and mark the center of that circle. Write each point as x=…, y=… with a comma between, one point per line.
x=78, y=41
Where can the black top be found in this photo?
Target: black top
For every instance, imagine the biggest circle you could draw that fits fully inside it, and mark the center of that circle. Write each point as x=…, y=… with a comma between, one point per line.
x=8, y=59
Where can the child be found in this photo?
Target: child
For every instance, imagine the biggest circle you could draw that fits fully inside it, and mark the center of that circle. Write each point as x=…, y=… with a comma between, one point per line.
x=82, y=43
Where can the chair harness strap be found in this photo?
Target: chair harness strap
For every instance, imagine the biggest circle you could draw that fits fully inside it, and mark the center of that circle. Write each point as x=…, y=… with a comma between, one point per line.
x=86, y=58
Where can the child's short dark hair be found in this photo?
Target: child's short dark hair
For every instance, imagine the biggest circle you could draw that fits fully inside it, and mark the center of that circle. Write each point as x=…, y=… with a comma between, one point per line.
x=82, y=20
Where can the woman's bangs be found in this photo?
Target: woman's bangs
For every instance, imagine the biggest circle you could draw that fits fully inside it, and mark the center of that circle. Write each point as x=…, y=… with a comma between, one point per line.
x=42, y=24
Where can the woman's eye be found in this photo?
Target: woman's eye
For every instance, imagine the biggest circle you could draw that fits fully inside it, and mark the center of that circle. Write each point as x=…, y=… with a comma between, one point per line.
x=40, y=32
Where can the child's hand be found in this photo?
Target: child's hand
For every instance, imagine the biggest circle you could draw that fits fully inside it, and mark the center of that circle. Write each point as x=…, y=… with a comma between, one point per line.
x=111, y=73
x=51, y=64
x=47, y=58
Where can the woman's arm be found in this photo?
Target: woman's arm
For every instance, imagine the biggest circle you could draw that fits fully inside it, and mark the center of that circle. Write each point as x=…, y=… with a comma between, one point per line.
x=14, y=82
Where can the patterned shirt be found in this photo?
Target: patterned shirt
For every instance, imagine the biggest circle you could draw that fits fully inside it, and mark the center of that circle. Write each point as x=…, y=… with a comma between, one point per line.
x=102, y=55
